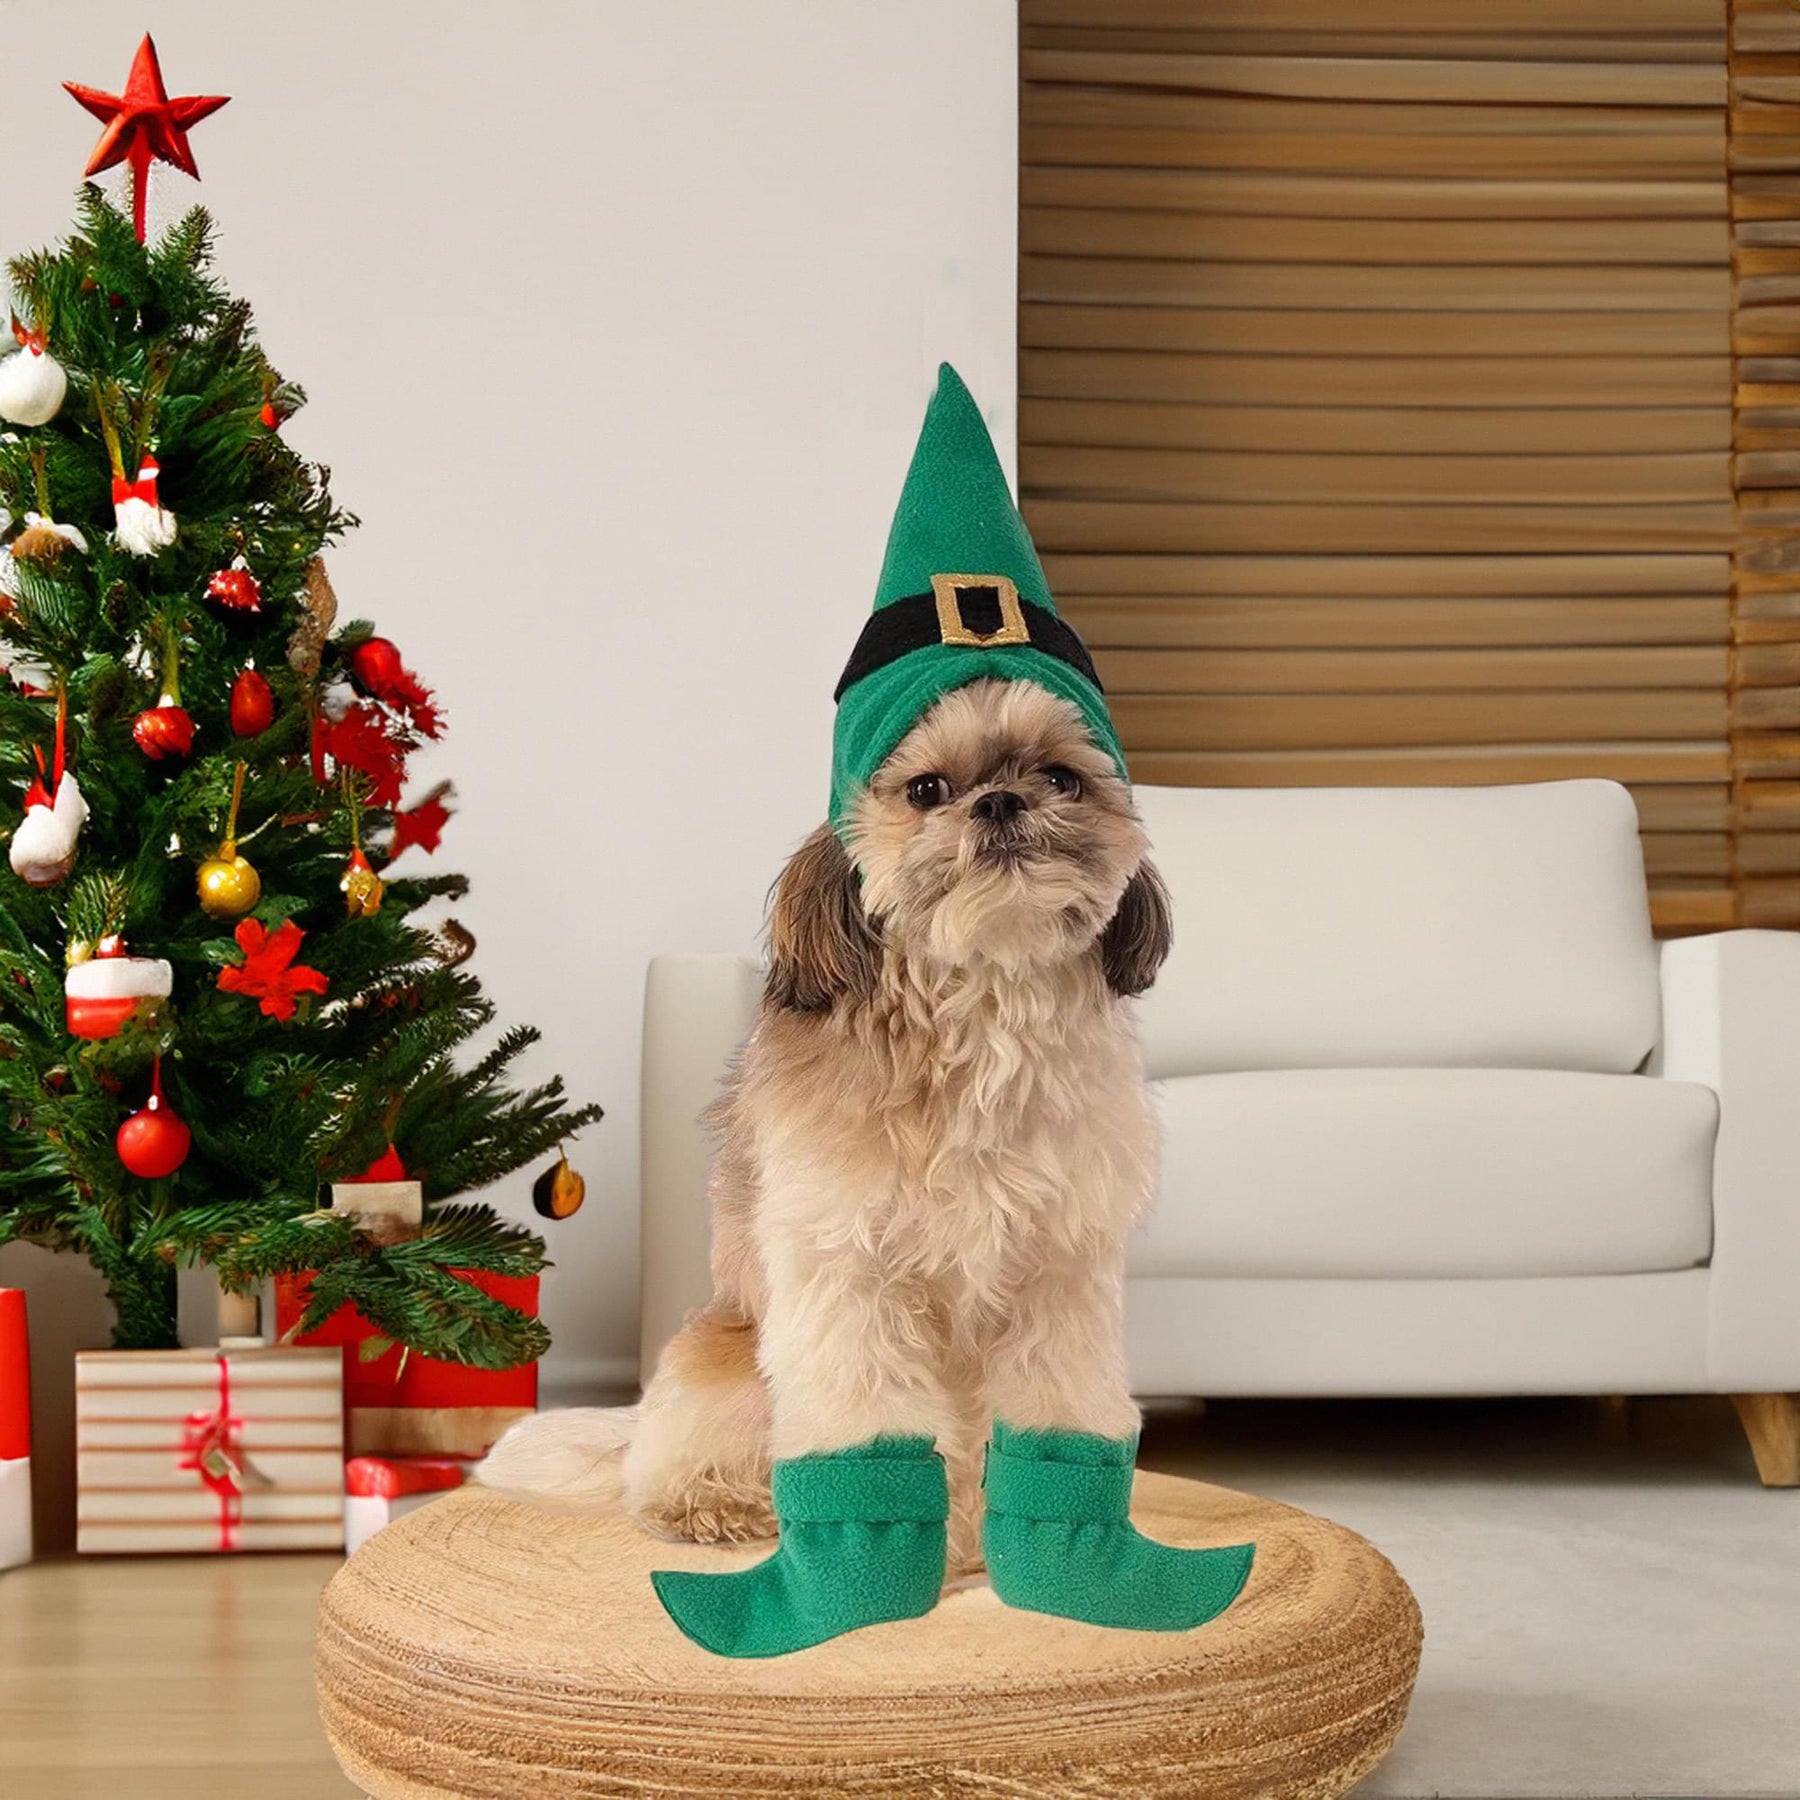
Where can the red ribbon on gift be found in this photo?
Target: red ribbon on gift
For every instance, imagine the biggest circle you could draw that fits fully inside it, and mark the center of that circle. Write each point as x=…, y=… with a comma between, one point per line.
x=212, y=1446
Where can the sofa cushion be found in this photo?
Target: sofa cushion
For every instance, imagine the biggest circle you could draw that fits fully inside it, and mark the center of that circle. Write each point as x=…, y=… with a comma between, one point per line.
x=1501, y=927
x=1430, y=1172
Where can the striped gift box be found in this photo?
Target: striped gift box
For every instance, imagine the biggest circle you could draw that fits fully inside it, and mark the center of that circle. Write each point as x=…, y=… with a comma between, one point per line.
x=209, y=1450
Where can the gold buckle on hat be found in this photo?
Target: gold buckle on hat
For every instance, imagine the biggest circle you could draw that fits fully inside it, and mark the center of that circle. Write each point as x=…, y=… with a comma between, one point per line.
x=949, y=590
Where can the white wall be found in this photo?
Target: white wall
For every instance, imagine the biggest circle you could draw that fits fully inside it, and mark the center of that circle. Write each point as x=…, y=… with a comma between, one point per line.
x=618, y=321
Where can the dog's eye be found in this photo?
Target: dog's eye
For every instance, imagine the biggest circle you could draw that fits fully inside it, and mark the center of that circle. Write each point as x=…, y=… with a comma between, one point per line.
x=927, y=791
x=1063, y=781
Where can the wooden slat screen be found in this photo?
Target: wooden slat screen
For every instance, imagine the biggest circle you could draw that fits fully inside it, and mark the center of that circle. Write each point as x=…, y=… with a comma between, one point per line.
x=1765, y=258
x=1410, y=392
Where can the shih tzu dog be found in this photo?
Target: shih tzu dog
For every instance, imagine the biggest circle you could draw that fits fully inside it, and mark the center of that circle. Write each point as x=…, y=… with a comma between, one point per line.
x=932, y=1146
x=938, y=1136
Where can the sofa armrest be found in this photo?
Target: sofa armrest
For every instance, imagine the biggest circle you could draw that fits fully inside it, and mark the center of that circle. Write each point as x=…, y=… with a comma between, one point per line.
x=1731, y=1021
x=697, y=1012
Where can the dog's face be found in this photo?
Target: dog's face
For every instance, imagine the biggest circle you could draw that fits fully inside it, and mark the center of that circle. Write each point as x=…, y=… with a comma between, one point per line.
x=997, y=832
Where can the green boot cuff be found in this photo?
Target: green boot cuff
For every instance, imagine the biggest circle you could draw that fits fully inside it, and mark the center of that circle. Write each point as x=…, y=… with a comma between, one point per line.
x=871, y=1484
x=862, y=1542
x=1058, y=1538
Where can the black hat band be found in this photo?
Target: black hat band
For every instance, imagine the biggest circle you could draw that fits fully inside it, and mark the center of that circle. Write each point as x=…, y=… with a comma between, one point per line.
x=967, y=611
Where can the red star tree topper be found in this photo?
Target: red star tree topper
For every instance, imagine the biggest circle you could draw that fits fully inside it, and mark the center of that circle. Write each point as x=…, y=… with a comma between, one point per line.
x=143, y=125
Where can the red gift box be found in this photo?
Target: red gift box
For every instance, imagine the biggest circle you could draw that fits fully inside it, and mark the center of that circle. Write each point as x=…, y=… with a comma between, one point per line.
x=405, y=1404
x=395, y=1477
x=380, y=1489
x=15, y=1431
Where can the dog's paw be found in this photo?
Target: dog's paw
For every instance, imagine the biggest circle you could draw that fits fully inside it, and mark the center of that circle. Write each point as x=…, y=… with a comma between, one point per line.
x=709, y=1513
x=963, y=1557
x=964, y=1564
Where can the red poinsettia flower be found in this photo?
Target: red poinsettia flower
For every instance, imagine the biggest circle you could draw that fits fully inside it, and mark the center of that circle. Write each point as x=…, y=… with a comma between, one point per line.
x=360, y=741
x=268, y=972
x=422, y=824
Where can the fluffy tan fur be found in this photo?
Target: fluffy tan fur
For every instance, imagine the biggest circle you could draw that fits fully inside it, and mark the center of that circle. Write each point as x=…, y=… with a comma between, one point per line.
x=938, y=1135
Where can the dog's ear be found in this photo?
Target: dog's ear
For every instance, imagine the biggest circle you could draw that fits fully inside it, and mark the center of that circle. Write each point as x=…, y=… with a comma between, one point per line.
x=1136, y=942
x=822, y=947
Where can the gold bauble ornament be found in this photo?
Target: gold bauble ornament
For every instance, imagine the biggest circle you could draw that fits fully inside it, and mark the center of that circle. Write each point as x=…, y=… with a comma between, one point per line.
x=229, y=887
x=559, y=1191
x=363, y=888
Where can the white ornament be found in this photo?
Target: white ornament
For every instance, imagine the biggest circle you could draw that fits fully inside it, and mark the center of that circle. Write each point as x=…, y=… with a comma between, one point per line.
x=335, y=700
x=32, y=382
x=142, y=525
x=43, y=847
x=70, y=534
x=25, y=671
x=9, y=563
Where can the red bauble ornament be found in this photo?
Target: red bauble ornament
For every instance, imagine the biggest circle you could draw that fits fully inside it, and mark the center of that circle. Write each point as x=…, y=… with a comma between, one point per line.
x=252, y=703
x=164, y=730
x=270, y=417
x=143, y=125
x=376, y=664
x=376, y=668
x=237, y=589
x=154, y=1142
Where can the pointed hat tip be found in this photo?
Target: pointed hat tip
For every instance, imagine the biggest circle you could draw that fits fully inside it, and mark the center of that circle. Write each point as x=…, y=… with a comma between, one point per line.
x=956, y=510
x=954, y=413
x=949, y=382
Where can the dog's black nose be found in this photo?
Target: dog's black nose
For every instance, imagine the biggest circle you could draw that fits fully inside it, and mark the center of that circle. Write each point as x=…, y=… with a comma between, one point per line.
x=998, y=807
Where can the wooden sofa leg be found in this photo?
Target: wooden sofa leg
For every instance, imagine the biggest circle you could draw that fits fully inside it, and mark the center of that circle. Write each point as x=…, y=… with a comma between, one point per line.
x=1772, y=1424
x=1615, y=1420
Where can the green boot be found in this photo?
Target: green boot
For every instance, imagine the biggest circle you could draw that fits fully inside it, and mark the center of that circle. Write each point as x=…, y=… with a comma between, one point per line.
x=862, y=1542
x=1059, y=1539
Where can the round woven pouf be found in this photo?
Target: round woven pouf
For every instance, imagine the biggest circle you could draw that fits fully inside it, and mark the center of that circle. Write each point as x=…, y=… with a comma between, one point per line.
x=482, y=1649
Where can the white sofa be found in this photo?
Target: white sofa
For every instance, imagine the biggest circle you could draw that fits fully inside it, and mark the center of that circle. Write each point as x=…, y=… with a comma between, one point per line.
x=1441, y=1116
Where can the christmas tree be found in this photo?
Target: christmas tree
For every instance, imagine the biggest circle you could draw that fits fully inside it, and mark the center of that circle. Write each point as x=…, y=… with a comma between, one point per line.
x=216, y=997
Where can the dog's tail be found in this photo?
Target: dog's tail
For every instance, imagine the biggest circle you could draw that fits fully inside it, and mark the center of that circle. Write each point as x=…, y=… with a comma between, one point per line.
x=571, y=1458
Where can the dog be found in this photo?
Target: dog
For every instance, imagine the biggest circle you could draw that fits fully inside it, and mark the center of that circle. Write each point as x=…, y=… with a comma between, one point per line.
x=932, y=1147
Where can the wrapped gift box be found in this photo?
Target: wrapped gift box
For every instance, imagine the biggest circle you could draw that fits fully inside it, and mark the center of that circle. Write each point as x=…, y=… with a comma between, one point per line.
x=409, y=1405
x=15, y=1431
x=381, y=1489
x=209, y=1450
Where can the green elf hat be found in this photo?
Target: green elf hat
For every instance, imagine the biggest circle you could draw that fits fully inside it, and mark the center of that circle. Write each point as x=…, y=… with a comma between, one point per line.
x=962, y=596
